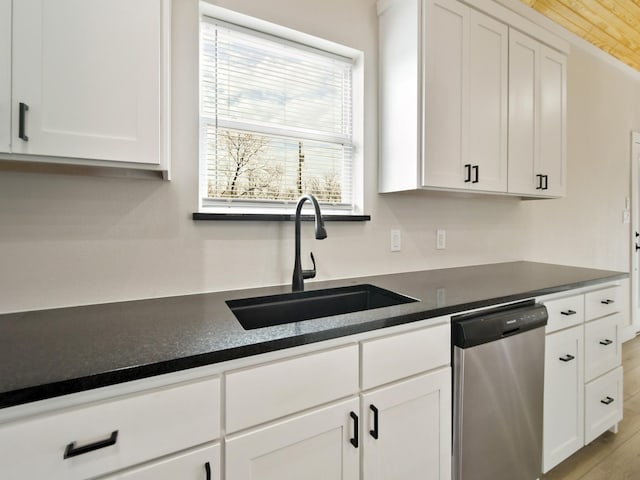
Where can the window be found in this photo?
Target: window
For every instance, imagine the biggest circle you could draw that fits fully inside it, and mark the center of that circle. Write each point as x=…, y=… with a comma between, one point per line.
x=276, y=119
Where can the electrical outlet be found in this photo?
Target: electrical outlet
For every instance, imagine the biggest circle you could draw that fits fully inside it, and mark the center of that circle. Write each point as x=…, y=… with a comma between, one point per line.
x=441, y=239
x=441, y=297
x=396, y=240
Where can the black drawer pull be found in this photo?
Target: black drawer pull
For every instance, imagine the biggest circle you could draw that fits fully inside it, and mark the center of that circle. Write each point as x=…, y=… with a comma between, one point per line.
x=73, y=451
x=568, y=312
x=608, y=302
x=567, y=358
x=476, y=174
x=354, y=440
x=207, y=469
x=606, y=342
x=467, y=173
x=23, y=109
x=607, y=401
x=374, y=432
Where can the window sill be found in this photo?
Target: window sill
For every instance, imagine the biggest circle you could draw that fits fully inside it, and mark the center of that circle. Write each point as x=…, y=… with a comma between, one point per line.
x=277, y=217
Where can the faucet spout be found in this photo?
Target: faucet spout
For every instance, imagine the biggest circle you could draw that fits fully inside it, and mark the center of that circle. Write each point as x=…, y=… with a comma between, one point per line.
x=297, y=284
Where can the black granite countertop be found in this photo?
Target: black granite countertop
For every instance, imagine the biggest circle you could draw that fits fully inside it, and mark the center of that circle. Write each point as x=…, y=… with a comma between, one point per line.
x=48, y=353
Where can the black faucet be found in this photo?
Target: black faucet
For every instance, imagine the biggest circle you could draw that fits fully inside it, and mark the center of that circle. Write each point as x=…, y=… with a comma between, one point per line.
x=299, y=274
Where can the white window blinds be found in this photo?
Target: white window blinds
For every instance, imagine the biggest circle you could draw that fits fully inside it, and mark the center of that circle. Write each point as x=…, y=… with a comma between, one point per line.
x=276, y=119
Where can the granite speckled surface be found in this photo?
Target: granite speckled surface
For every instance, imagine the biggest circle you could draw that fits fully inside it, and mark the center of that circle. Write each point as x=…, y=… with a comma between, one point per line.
x=48, y=353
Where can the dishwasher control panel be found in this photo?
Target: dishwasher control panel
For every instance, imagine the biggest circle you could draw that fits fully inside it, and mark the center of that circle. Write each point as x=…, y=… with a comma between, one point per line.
x=476, y=328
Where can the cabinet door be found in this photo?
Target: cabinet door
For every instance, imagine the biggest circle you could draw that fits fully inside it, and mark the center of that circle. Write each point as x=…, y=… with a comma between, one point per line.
x=445, y=90
x=523, y=112
x=563, y=428
x=313, y=446
x=89, y=72
x=412, y=423
x=5, y=75
x=488, y=97
x=200, y=464
x=553, y=107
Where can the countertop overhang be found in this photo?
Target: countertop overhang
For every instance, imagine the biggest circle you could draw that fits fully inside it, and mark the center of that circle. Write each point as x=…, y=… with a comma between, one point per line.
x=49, y=353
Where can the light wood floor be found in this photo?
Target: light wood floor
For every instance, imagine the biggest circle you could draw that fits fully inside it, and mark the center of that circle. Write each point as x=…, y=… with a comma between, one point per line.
x=612, y=456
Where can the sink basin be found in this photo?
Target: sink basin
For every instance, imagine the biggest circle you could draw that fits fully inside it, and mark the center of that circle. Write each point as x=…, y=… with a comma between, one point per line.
x=259, y=312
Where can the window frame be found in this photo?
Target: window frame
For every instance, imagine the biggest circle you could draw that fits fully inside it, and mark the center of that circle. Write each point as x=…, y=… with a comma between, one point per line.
x=285, y=207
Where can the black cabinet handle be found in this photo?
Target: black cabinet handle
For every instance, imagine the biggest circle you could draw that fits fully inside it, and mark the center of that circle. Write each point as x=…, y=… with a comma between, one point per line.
x=546, y=182
x=73, y=451
x=354, y=440
x=607, y=401
x=476, y=173
x=24, y=108
x=568, y=312
x=207, y=469
x=374, y=432
x=608, y=302
x=467, y=173
x=567, y=358
x=606, y=342
x=539, y=177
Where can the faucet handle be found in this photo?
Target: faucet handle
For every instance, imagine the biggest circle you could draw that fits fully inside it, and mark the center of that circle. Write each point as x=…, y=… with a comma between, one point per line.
x=310, y=273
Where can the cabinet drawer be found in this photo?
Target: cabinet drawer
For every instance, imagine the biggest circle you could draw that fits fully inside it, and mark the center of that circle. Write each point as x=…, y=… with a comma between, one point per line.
x=259, y=394
x=601, y=302
x=565, y=312
x=391, y=358
x=603, y=404
x=148, y=426
x=602, y=346
x=191, y=465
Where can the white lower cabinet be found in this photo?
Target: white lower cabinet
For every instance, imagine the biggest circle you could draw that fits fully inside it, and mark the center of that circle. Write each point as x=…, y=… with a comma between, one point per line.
x=311, y=424
x=583, y=372
x=563, y=397
x=198, y=464
x=406, y=430
x=319, y=445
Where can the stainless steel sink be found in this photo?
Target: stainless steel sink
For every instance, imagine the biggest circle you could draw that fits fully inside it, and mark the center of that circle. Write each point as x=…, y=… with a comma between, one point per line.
x=259, y=312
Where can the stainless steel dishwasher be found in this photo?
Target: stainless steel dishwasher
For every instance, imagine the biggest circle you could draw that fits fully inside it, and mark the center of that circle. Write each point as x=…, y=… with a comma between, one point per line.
x=498, y=380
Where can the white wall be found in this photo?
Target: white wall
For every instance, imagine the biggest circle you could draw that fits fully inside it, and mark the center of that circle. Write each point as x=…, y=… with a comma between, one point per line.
x=67, y=240
x=585, y=228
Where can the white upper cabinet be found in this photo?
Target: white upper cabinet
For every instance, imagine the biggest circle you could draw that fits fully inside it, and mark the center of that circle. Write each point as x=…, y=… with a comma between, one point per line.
x=447, y=102
x=87, y=79
x=444, y=97
x=537, y=118
x=5, y=75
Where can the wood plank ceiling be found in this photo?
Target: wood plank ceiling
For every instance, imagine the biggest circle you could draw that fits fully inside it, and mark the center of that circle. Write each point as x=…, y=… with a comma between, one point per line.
x=611, y=25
